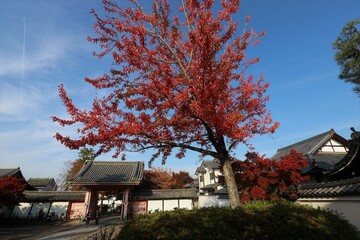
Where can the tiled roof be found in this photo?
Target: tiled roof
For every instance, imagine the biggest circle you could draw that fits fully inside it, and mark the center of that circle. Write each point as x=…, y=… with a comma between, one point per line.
x=15, y=172
x=221, y=191
x=164, y=194
x=109, y=173
x=194, y=184
x=210, y=186
x=9, y=171
x=40, y=182
x=327, y=161
x=53, y=196
x=214, y=164
x=308, y=146
x=346, y=187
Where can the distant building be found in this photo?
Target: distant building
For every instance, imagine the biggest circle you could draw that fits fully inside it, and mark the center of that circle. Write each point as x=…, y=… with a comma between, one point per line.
x=207, y=176
x=14, y=172
x=43, y=184
x=338, y=185
x=323, y=151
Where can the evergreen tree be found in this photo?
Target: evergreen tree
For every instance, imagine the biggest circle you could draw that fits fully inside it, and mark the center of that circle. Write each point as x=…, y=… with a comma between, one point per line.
x=348, y=53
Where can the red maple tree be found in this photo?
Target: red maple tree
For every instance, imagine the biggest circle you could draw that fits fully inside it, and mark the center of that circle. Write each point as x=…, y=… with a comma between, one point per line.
x=11, y=190
x=158, y=178
x=178, y=82
x=261, y=178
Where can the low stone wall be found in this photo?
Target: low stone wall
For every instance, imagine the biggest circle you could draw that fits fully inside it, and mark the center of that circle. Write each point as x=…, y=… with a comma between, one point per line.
x=348, y=207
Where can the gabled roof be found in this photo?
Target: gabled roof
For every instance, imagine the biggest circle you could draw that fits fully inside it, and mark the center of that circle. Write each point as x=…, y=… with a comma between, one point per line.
x=40, y=182
x=164, y=194
x=210, y=164
x=347, y=187
x=54, y=196
x=109, y=173
x=15, y=172
x=312, y=145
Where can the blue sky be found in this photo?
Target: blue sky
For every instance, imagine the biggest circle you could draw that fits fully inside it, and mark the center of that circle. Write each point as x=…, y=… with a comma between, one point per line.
x=43, y=44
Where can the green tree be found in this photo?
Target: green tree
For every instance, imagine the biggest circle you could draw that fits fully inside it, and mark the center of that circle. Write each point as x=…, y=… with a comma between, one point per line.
x=348, y=54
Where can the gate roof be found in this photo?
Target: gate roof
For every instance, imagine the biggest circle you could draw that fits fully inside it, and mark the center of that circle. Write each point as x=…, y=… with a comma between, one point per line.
x=109, y=173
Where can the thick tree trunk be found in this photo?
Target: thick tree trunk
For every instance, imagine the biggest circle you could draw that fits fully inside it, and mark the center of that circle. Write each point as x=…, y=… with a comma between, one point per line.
x=231, y=184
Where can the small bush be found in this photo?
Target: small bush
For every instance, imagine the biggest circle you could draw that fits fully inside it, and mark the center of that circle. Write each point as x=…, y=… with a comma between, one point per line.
x=257, y=220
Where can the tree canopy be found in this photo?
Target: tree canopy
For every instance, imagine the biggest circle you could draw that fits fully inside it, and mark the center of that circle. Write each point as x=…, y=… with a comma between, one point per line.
x=158, y=178
x=177, y=82
x=348, y=54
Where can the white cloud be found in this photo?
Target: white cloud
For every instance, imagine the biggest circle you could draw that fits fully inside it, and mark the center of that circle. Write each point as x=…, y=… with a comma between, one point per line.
x=21, y=103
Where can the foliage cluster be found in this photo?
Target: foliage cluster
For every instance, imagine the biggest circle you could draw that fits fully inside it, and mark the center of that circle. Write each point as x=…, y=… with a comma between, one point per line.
x=257, y=220
x=260, y=178
x=11, y=190
x=157, y=178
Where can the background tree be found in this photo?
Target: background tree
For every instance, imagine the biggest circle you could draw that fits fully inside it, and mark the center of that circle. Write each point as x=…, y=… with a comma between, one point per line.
x=11, y=190
x=158, y=178
x=72, y=168
x=348, y=54
x=178, y=82
x=260, y=178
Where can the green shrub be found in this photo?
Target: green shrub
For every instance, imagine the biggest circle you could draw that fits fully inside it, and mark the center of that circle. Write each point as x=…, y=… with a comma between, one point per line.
x=257, y=220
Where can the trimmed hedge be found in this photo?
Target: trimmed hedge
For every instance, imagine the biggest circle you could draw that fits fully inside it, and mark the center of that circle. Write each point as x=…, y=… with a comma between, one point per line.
x=257, y=220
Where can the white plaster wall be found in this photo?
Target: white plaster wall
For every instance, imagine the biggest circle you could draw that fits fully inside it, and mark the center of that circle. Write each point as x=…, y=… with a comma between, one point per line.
x=59, y=208
x=22, y=210
x=37, y=207
x=212, y=201
x=154, y=205
x=171, y=204
x=186, y=203
x=348, y=207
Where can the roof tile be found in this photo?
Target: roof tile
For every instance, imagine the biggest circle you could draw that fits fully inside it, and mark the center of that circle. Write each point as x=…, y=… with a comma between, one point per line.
x=109, y=173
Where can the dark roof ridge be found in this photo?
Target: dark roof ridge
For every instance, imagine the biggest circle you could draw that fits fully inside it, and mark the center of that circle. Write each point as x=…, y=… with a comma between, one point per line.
x=331, y=132
x=330, y=184
x=42, y=178
x=109, y=161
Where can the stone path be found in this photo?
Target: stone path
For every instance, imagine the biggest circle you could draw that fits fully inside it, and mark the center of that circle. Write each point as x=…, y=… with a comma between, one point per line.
x=73, y=230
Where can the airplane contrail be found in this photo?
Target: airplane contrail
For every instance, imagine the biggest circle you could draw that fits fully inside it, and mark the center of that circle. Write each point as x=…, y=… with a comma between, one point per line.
x=23, y=62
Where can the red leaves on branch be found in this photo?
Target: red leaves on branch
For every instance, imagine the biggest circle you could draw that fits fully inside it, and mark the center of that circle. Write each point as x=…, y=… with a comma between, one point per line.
x=178, y=82
x=11, y=189
x=262, y=178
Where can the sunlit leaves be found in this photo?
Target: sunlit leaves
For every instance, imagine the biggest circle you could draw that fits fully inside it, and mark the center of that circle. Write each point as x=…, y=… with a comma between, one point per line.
x=11, y=190
x=263, y=178
x=158, y=178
